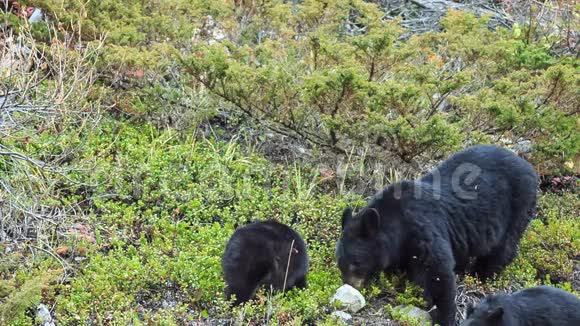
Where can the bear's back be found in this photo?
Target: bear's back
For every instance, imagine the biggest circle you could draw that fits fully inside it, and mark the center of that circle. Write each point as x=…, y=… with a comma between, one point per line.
x=490, y=159
x=543, y=305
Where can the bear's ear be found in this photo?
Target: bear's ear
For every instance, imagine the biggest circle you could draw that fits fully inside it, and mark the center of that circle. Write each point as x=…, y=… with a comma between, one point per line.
x=346, y=216
x=369, y=222
x=495, y=314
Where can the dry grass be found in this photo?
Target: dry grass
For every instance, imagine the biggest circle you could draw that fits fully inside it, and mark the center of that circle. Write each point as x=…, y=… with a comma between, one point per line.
x=44, y=88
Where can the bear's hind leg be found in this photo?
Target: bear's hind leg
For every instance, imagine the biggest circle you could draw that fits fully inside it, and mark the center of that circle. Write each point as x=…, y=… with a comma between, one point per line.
x=504, y=253
x=461, y=267
x=488, y=266
x=301, y=283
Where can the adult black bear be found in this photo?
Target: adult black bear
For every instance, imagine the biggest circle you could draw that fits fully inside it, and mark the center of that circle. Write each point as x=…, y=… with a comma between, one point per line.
x=536, y=306
x=476, y=204
x=258, y=254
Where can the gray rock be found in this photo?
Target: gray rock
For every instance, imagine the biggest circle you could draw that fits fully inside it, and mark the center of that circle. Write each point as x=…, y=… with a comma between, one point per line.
x=350, y=298
x=523, y=146
x=416, y=313
x=43, y=315
x=37, y=16
x=344, y=316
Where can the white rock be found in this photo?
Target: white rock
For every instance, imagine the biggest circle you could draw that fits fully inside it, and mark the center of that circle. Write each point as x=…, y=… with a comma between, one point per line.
x=350, y=298
x=36, y=16
x=419, y=314
x=344, y=316
x=523, y=146
x=43, y=315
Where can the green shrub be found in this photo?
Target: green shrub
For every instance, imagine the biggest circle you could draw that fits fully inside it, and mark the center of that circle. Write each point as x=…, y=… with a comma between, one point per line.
x=302, y=69
x=14, y=308
x=418, y=98
x=552, y=243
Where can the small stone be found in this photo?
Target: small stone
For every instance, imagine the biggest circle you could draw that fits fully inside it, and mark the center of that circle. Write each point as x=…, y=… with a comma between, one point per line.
x=416, y=313
x=43, y=315
x=350, y=298
x=344, y=316
x=37, y=16
x=523, y=146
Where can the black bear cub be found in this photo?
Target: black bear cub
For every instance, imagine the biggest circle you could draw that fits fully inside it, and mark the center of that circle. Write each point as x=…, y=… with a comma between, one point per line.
x=476, y=204
x=536, y=306
x=257, y=254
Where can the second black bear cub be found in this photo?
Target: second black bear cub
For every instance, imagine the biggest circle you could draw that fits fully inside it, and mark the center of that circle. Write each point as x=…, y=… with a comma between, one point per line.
x=258, y=253
x=536, y=306
x=476, y=204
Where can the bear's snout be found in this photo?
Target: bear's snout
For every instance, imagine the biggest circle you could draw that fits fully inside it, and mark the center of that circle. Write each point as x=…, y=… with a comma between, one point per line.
x=354, y=281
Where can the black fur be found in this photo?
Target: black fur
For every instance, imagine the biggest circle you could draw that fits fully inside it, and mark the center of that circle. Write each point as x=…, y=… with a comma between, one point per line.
x=536, y=306
x=476, y=204
x=257, y=254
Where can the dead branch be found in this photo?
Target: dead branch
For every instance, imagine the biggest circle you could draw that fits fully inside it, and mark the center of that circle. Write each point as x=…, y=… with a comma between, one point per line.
x=43, y=87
